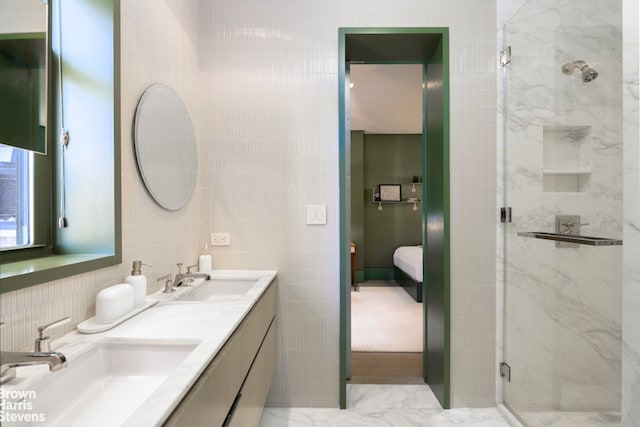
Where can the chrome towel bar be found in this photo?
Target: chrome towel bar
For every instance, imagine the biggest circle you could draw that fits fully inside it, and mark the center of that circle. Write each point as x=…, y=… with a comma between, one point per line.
x=582, y=240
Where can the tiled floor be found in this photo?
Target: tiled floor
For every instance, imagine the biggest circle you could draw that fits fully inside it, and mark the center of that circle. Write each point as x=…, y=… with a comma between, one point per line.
x=572, y=419
x=384, y=405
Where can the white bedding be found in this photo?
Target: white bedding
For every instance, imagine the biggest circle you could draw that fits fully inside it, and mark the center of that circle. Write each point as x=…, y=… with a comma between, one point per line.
x=409, y=260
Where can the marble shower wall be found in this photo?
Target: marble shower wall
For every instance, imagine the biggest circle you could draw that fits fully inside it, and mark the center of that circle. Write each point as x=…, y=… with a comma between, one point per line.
x=563, y=156
x=631, y=227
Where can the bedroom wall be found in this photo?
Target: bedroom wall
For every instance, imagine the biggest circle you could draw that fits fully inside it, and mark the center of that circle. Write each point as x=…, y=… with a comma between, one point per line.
x=357, y=203
x=386, y=159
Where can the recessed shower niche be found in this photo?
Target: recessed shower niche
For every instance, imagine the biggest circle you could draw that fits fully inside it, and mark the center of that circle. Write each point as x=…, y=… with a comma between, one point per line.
x=566, y=158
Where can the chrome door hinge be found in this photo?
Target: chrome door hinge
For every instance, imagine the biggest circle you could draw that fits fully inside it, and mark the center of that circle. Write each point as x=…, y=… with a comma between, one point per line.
x=505, y=214
x=505, y=56
x=505, y=371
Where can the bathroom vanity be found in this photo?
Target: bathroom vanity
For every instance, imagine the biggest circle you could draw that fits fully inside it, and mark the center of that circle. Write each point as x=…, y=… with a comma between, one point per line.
x=234, y=387
x=204, y=355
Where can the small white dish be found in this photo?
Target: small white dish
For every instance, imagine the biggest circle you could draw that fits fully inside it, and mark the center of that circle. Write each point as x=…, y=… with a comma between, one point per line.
x=90, y=326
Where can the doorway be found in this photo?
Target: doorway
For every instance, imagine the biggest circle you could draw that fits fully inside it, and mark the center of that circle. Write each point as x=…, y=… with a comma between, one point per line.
x=429, y=47
x=386, y=147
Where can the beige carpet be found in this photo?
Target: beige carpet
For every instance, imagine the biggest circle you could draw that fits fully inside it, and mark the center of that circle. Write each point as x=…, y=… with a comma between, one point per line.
x=385, y=318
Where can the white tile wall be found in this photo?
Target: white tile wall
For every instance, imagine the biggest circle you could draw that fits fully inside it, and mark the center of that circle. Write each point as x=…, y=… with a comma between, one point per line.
x=260, y=79
x=271, y=112
x=22, y=17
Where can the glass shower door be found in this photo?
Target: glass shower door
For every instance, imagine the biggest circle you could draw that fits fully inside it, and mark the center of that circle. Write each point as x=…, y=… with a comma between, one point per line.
x=563, y=175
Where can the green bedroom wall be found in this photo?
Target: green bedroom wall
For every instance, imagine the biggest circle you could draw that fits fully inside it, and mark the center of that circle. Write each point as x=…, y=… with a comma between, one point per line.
x=357, y=203
x=383, y=159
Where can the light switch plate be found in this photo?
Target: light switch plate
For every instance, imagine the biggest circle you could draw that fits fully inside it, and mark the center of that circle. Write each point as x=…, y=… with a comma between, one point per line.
x=220, y=239
x=316, y=214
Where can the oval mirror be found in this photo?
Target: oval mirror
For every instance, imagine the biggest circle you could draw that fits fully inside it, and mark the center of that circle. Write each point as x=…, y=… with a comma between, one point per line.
x=165, y=146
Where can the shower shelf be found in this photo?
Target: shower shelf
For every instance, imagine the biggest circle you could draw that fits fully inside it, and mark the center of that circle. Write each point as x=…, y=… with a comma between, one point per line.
x=568, y=238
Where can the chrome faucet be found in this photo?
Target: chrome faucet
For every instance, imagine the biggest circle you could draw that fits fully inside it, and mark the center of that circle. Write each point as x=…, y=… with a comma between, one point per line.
x=180, y=277
x=10, y=360
x=43, y=344
x=168, y=284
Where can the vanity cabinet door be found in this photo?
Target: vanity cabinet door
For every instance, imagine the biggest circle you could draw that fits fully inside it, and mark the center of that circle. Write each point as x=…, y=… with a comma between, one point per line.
x=209, y=400
x=255, y=389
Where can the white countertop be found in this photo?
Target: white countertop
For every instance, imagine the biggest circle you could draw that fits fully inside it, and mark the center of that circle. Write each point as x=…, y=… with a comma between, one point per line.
x=210, y=323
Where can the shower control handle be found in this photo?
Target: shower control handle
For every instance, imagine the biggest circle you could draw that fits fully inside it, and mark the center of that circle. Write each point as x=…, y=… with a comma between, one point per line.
x=569, y=225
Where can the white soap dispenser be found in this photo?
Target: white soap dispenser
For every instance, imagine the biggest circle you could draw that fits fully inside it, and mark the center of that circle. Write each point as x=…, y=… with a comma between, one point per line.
x=139, y=283
x=205, y=261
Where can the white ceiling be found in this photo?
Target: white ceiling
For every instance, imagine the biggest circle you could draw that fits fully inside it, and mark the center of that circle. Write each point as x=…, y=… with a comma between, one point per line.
x=386, y=98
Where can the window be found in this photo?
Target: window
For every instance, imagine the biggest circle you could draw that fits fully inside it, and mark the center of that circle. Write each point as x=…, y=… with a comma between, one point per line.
x=16, y=201
x=24, y=164
x=34, y=249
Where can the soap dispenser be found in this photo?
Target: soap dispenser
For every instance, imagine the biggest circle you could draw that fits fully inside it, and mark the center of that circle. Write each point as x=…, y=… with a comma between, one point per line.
x=205, y=261
x=139, y=283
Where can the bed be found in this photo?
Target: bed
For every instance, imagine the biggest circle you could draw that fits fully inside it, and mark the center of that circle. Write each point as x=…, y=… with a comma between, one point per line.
x=407, y=261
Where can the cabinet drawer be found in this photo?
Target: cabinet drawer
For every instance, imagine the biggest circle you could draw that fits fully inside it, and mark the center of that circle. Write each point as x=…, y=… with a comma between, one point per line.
x=255, y=326
x=255, y=389
x=208, y=401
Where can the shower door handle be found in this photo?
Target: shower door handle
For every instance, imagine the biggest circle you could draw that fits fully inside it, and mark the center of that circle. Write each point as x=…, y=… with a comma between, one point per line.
x=505, y=214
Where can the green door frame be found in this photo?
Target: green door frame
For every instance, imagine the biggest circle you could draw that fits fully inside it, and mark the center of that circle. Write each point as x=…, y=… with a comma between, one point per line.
x=435, y=209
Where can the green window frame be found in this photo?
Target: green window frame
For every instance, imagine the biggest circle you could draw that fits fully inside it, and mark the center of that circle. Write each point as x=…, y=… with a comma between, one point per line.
x=80, y=248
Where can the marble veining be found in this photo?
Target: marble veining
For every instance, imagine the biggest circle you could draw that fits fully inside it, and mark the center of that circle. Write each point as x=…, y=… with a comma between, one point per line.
x=384, y=406
x=210, y=323
x=631, y=254
x=373, y=396
x=573, y=419
x=563, y=155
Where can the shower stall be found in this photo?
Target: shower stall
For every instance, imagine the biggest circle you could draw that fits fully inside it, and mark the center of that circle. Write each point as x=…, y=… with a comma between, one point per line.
x=561, y=241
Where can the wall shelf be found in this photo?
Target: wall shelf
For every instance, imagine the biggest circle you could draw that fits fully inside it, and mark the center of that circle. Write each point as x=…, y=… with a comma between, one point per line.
x=402, y=202
x=567, y=158
x=414, y=201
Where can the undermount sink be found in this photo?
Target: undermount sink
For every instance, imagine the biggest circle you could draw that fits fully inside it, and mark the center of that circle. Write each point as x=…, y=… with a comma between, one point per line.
x=106, y=385
x=217, y=288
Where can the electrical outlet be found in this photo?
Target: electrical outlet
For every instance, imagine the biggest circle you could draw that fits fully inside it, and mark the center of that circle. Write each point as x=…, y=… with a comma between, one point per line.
x=220, y=239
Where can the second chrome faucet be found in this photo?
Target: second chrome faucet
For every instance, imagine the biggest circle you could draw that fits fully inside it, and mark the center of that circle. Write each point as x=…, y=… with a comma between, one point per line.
x=10, y=360
x=181, y=278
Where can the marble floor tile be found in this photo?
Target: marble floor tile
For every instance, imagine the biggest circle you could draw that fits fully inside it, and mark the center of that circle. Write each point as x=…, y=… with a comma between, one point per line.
x=572, y=419
x=376, y=396
x=384, y=406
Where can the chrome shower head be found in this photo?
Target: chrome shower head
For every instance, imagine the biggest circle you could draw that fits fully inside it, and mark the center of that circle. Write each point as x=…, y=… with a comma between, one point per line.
x=588, y=73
